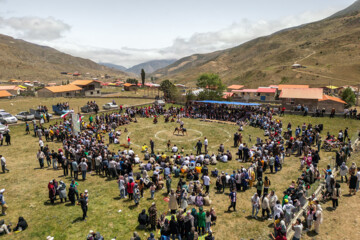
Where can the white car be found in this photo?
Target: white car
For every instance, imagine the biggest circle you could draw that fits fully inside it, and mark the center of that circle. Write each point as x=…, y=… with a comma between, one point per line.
x=25, y=116
x=159, y=102
x=3, y=128
x=108, y=106
x=7, y=118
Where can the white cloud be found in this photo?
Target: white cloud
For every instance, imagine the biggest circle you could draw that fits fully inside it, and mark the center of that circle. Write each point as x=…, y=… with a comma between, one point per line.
x=235, y=34
x=35, y=28
x=49, y=31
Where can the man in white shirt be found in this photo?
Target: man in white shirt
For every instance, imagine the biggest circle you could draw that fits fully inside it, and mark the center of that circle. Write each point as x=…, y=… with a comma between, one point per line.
x=206, y=180
x=174, y=149
x=206, y=143
x=83, y=167
x=3, y=164
x=41, y=144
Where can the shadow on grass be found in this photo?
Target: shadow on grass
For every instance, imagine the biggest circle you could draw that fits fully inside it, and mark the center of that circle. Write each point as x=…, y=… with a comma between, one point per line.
x=133, y=207
x=48, y=203
x=347, y=195
x=311, y=233
x=78, y=219
x=330, y=209
x=69, y=204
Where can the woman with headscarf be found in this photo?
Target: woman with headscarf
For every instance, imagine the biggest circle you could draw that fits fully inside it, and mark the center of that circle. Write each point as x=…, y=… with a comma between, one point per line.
x=352, y=183
x=173, y=205
x=319, y=217
x=136, y=194
x=153, y=216
x=62, y=191
x=343, y=171
x=121, y=184
x=201, y=221
x=188, y=224
x=183, y=199
x=255, y=202
x=71, y=194
x=52, y=192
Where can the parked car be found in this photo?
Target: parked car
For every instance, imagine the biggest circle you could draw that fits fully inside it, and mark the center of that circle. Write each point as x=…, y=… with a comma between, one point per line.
x=159, y=102
x=59, y=110
x=38, y=114
x=108, y=106
x=87, y=109
x=25, y=116
x=3, y=128
x=7, y=118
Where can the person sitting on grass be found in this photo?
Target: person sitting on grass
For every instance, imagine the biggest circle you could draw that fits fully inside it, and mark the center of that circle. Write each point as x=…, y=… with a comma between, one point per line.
x=21, y=225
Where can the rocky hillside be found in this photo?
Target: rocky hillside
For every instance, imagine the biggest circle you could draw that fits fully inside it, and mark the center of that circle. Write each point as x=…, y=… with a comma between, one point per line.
x=329, y=50
x=26, y=61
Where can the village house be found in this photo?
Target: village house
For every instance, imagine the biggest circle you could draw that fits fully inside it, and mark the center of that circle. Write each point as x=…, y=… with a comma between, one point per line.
x=130, y=87
x=330, y=90
x=330, y=102
x=234, y=87
x=90, y=88
x=12, y=89
x=5, y=94
x=291, y=97
x=69, y=90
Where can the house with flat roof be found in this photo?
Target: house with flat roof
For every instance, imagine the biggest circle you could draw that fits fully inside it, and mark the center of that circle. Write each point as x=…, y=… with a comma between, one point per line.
x=90, y=88
x=69, y=90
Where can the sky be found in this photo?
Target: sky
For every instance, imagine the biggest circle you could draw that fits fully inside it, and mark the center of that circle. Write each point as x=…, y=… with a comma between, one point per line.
x=131, y=32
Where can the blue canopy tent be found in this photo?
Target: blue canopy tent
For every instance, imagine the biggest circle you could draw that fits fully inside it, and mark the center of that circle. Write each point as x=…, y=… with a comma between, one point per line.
x=229, y=103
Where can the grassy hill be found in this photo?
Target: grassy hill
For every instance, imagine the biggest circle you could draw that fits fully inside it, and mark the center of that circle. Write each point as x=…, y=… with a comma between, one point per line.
x=328, y=49
x=26, y=61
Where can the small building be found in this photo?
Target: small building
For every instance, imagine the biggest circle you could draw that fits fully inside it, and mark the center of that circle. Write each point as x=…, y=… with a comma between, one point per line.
x=89, y=88
x=266, y=94
x=245, y=94
x=69, y=90
x=330, y=102
x=227, y=95
x=130, y=87
x=330, y=90
x=5, y=94
x=235, y=87
x=14, y=82
x=291, y=97
x=12, y=89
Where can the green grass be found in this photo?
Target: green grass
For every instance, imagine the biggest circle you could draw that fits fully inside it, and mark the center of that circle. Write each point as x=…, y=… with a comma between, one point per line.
x=27, y=193
x=18, y=104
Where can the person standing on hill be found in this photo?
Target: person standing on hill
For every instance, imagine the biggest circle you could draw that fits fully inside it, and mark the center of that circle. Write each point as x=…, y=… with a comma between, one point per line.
x=152, y=145
x=198, y=147
x=206, y=143
x=232, y=197
x=3, y=164
x=4, y=207
x=40, y=156
x=83, y=204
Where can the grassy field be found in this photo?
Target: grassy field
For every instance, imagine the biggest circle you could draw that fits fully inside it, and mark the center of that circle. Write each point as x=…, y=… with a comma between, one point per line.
x=117, y=91
x=27, y=194
x=18, y=104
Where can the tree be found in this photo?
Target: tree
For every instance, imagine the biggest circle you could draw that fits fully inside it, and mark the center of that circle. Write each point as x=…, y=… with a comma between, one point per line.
x=212, y=85
x=143, y=77
x=348, y=96
x=132, y=81
x=169, y=89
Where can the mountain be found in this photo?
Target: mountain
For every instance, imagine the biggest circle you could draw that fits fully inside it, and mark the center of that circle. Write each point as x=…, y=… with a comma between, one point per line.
x=150, y=66
x=114, y=66
x=353, y=9
x=328, y=50
x=27, y=61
